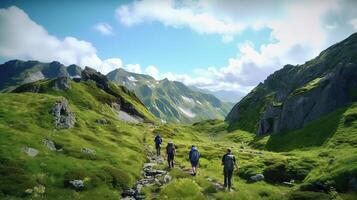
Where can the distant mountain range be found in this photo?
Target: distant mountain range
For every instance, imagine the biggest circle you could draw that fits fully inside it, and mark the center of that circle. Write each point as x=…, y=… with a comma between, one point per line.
x=171, y=101
x=17, y=72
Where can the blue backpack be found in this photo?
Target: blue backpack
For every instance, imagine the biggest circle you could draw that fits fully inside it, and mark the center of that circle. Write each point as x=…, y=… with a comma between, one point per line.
x=195, y=155
x=158, y=140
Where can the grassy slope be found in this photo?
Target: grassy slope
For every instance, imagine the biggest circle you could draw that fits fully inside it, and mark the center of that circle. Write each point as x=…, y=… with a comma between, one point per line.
x=25, y=121
x=325, y=150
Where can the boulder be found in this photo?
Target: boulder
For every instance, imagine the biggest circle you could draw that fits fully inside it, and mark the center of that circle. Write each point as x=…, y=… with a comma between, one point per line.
x=88, y=151
x=49, y=144
x=289, y=184
x=256, y=178
x=30, y=151
x=167, y=179
x=76, y=184
x=39, y=189
x=128, y=193
x=64, y=118
x=155, y=172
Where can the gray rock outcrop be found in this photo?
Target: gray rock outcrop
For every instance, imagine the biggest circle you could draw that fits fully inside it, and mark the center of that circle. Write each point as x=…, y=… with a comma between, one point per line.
x=297, y=110
x=88, y=151
x=63, y=116
x=32, y=152
x=256, y=178
x=76, y=184
x=49, y=144
x=62, y=83
x=294, y=96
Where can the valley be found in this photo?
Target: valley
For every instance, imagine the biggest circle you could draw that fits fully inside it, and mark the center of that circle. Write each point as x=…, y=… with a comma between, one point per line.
x=80, y=135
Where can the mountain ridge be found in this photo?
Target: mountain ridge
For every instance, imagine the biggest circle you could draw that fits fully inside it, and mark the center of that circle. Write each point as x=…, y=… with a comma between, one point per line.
x=171, y=101
x=288, y=98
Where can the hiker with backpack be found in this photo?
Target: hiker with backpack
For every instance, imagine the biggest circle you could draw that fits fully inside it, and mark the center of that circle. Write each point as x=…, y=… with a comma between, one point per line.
x=194, y=157
x=228, y=162
x=170, y=152
x=158, y=142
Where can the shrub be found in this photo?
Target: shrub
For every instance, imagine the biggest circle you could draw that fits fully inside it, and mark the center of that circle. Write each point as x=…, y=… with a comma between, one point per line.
x=119, y=178
x=14, y=180
x=181, y=189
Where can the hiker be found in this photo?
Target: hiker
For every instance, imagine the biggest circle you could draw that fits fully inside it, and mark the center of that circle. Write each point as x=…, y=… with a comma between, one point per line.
x=158, y=142
x=194, y=157
x=170, y=152
x=228, y=162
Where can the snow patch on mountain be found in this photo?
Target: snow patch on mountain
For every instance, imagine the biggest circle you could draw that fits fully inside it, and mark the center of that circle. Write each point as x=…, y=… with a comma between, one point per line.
x=132, y=78
x=188, y=99
x=187, y=112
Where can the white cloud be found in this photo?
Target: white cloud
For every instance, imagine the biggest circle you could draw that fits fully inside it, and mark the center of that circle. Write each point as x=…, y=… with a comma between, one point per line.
x=170, y=13
x=110, y=64
x=153, y=71
x=104, y=28
x=22, y=38
x=135, y=68
x=353, y=22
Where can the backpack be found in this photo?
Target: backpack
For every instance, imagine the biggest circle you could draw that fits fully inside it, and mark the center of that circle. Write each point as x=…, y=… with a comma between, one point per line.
x=229, y=162
x=195, y=155
x=158, y=140
x=170, y=149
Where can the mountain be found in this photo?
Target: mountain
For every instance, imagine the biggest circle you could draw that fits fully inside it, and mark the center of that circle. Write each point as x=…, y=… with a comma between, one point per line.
x=55, y=131
x=223, y=95
x=171, y=101
x=294, y=96
x=17, y=72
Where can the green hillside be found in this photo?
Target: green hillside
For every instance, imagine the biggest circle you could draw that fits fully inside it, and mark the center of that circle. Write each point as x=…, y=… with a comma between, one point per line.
x=26, y=121
x=171, y=101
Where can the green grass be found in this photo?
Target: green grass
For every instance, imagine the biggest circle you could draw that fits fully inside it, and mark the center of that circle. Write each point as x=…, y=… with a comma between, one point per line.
x=26, y=121
x=323, y=151
x=307, y=87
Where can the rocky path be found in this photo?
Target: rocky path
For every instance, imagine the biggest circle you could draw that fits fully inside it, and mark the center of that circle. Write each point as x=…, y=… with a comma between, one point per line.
x=150, y=177
x=156, y=178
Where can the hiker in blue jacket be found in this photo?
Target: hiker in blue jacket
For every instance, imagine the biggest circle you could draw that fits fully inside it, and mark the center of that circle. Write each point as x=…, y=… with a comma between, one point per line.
x=194, y=157
x=158, y=142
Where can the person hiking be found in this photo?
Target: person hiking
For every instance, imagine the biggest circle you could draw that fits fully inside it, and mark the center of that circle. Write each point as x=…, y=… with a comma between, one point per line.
x=158, y=142
x=194, y=157
x=170, y=152
x=228, y=162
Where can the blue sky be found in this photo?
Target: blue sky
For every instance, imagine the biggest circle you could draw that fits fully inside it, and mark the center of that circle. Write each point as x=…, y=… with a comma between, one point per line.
x=215, y=45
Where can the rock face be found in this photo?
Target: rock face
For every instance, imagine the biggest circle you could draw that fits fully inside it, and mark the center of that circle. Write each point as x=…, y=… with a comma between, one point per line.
x=100, y=80
x=62, y=114
x=294, y=96
x=62, y=83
